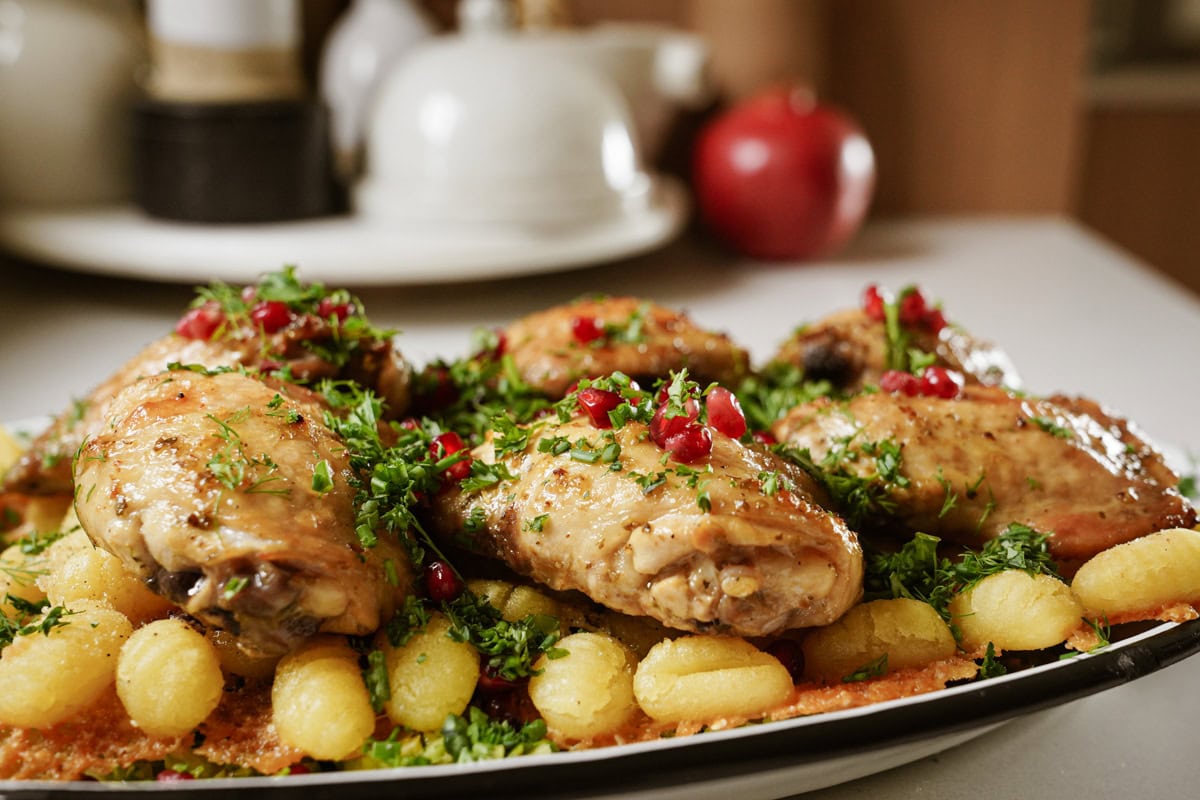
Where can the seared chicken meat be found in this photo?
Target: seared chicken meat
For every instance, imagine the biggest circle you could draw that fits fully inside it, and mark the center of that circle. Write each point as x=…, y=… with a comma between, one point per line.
x=303, y=341
x=553, y=349
x=850, y=349
x=965, y=468
x=737, y=543
x=228, y=495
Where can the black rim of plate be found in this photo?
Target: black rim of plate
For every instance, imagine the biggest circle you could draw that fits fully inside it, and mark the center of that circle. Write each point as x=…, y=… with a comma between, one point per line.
x=711, y=756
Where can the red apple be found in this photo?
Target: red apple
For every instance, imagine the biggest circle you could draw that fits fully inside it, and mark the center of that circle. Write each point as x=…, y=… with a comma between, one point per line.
x=781, y=176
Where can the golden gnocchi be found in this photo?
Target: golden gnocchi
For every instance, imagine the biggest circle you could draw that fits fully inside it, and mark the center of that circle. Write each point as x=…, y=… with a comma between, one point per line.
x=1142, y=575
x=319, y=702
x=168, y=678
x=876, y=637
x=707, y=677
x=589, y=691
x=1016, y=611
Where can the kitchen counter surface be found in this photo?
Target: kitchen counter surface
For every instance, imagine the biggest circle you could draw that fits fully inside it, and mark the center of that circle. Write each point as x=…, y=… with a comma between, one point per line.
x=1074, y=314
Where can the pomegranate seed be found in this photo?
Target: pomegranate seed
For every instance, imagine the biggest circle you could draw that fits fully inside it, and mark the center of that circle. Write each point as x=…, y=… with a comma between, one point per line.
x=934, y=320
x=765, y=437
x=586, y=330
x=492, y=682
x=940, y=382
x=912, y=308
x=725, y=412
x=692, y=444
x=596, y=403
x=249, y=294
x=298, y=769
x=663, y=427
x=442, y=582
x=873, y=303
x=340, y=311
x=200, y=323
x=896, y=382
x=272, y=315
x=170, y=776
x=447, y=444
x=790, y=655
x=410, y=424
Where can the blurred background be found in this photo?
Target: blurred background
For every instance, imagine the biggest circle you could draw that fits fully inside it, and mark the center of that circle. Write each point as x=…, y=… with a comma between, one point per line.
x=1088, y=109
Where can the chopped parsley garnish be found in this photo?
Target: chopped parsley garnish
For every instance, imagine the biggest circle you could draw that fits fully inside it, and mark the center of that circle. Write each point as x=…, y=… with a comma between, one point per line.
x=375, y=676
x=859, y=475
x=1053, y=428
x=234, y=586
x=536, y=524
x=989, y=667
x=233, y=468
x=473, y=737
x=876, y=668
x=508, y=648
x=30, y=618
x=322, y=478
x=916, y=571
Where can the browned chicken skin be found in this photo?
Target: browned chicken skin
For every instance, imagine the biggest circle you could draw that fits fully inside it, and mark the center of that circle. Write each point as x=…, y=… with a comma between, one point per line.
x=975, y=464
x=755, y=564
x=637, y=337
x=45, y=468
x=849, y=349
x=203, y=485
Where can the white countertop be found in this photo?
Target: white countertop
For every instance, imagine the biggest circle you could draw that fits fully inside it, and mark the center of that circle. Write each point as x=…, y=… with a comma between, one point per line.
x=1074, y=314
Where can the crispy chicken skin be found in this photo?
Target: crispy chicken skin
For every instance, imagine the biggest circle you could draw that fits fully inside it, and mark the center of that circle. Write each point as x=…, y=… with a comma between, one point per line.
x=637, y=337
x=849, y=349
x=756, y=564
x=978, y=463
x=203, y=485
x=45, y=468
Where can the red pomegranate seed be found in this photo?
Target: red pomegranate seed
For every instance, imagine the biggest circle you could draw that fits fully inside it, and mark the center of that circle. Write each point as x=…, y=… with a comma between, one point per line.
x=896, y=382
x=725, y=412
x=790, y=655
x=170, y=776
x=873, y=303
x=586, y=330
x=596, y=403
x=912, y=308
x=690, y=445
x=272, y=315
x=765, y=437
x=298, y=769
x=447, y=444
x=441, y=581
x=934, y=320
x=327, y=308
x=940, y=382
x=663, y=427
x=200, y=323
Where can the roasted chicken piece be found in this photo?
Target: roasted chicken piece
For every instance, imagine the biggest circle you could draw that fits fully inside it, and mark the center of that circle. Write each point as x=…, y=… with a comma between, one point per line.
x=554, y=348
x=739, y=543
x=324, y=341
x=228, y=495
x=850, y=350
x=965, y=468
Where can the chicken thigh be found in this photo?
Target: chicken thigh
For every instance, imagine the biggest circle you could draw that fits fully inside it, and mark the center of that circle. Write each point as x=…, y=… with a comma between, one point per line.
x=738, y=543
x=228, y=495
x=552, y=349
x=850, y=350
x=965, y=468
x=308, y=341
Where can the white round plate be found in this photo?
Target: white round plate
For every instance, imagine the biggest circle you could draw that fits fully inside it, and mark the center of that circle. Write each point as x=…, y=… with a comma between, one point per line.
x=121, y=241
